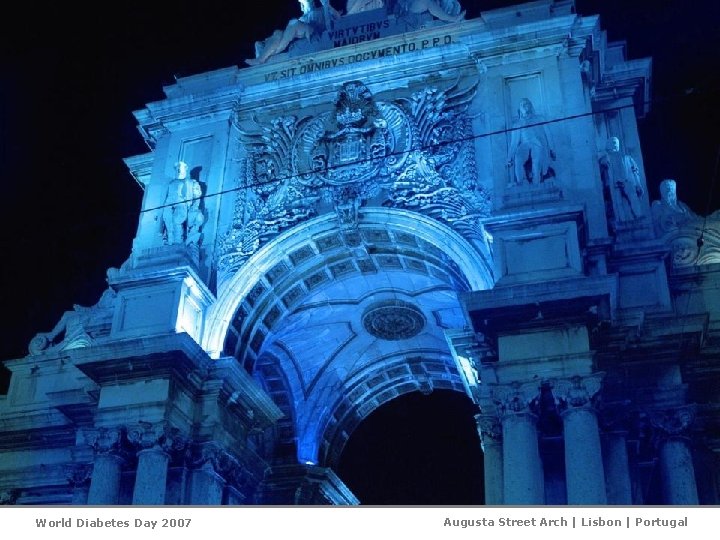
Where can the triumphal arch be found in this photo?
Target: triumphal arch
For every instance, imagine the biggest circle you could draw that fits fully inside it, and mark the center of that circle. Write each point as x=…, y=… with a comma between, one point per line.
x=389, y=198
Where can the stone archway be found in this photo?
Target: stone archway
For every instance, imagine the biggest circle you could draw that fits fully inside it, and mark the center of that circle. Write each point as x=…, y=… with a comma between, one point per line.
x=336, y=322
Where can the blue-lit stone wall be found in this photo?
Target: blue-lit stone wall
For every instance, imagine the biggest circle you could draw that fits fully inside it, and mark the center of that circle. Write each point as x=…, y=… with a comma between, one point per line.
x=406, y=202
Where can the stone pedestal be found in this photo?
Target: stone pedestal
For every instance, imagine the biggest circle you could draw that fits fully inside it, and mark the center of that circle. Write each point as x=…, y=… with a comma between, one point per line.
x=151, y=477
x=617, y=470
x=583, y=457
x=105, y=483
x=522, y=469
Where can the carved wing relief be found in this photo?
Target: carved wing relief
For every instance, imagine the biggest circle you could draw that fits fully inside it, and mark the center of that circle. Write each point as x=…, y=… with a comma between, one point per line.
x=412, y=153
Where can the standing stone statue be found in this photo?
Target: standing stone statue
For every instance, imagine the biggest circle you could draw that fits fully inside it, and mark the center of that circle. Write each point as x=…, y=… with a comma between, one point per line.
x=181, y=203
x=621, y=176
x=196, y=218
x=530, y=147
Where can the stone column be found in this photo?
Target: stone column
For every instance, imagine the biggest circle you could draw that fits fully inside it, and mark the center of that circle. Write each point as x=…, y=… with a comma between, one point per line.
x=208, y=480
x=206, y=487
x=523, y=477
x=584, y=472
x=109, y=460
x=156, y=442
x=151, y=476
x=617, y=469
x=676, y=463
x=490, y=432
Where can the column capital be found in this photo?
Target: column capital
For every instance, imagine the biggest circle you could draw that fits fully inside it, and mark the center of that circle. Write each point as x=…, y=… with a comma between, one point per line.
x=160, y=436
x=109, y=441
x=79, y=475
x=489, y=429
x=212, y=458
x=516, y=398
x=9, y=496
x=672, y=423
x=577, y=392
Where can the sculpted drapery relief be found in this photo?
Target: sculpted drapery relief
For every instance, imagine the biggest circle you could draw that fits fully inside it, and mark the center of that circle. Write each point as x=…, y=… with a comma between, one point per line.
x=411, y=153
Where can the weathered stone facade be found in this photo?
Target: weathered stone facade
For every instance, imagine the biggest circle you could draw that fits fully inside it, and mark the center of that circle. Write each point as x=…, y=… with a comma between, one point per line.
x=408, y=201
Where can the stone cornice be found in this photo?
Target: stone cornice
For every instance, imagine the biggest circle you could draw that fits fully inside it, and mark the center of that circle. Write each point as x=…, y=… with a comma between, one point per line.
x=36, y=431
x=140, y=167
x=176, y=355
x=240, y=392
x=215, y=92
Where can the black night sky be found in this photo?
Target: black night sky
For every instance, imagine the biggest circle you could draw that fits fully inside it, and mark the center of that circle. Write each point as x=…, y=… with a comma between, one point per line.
x=70, y=78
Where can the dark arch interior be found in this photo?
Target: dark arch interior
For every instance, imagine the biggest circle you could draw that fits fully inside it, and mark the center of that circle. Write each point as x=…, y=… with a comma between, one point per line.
x=416, y=450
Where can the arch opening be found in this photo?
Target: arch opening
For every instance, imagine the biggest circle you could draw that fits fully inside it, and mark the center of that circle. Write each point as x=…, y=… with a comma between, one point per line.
x=416, y=450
